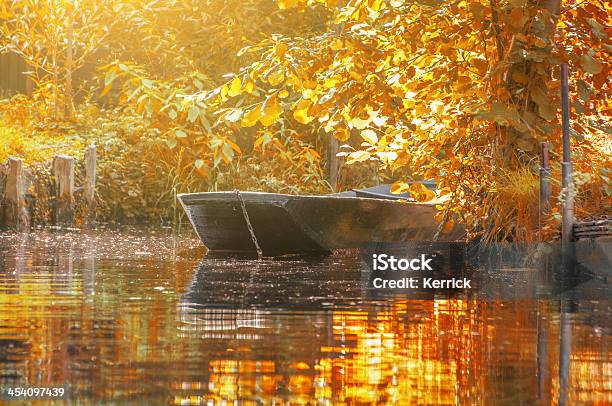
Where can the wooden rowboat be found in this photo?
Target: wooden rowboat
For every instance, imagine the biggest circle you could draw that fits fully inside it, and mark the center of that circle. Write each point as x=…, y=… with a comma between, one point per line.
x=277, y=224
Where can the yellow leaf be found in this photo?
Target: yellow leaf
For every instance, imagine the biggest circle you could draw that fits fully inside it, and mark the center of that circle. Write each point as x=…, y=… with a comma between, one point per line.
x=234, y=146
x=399, y=187
x=271, y=112
x=370, y=136
x=301, y=112
x=359, y=123
x=249, y=86
x=276, y=77
x=355, y=76
x=285, y=4
x=281, y=49
x=420, y=193
x=302, y=366
x=358, y=156
x=235, y=87
x=250, y=118
x=224, y=91
x=342, y=134
x=336, y=45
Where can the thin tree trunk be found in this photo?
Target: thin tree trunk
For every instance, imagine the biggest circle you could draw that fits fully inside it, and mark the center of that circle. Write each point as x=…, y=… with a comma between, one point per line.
x=69, y=67
x=497, y=30
x=333, y=162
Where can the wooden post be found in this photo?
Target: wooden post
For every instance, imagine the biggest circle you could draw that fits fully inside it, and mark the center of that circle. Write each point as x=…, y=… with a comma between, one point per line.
x=63, y=169
x=545, y=188
x=14, y=205
x=567, y=225
x=89, y=188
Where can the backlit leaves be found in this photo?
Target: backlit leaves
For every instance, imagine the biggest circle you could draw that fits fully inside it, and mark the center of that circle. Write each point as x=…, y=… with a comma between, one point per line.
x=454, y=91
x=251, y=117
x=369, y=136
x=300, y=113
x=235, y=87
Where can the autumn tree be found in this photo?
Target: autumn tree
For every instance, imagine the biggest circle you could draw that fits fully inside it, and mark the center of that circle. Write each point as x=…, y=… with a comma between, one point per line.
x=173, y=53
x=458, y=91
x=54, y=38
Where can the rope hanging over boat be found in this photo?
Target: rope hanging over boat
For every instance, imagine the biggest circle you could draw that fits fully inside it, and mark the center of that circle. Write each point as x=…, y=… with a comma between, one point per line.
x=249, y=226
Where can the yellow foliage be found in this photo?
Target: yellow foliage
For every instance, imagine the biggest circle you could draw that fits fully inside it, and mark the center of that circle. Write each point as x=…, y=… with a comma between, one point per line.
x=250, y=118
x=301, y=112
x=234, y=89
x=35, y=148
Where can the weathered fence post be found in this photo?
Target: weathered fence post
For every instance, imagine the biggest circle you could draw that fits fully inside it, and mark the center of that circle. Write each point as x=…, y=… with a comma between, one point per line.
x=567, y=226
x=545, y=188
x=14, y=205
x=89, y=188
x=63, y=169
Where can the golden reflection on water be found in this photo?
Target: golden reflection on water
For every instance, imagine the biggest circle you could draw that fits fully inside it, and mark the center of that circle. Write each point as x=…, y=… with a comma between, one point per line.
x=115, y=327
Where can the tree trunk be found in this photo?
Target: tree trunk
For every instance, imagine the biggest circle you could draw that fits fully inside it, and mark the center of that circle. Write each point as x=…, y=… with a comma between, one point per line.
x=68, y=67
x=333, y=163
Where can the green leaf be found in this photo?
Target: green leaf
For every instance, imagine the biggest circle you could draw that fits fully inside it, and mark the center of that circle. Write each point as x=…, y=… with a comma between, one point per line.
x=205, y=121
x=217, y=160
x=590, y=64
x=194, y=112
x=227, y=151
x=110, y=76
x=501, y=114
x=171, y=142
x=584, y=90
x=598, y=29
x=547, y=111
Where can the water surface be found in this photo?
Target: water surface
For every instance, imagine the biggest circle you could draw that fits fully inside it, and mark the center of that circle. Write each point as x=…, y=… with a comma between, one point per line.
x=139, y=318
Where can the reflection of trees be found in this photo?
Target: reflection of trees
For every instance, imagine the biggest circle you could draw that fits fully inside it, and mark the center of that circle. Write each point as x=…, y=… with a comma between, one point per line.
x=418, y=351
x=129, y=340
x=426, y=352
x=54, y=331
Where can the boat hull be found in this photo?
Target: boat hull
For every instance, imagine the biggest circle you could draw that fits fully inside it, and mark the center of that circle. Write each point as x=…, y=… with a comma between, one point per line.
x=287, y=224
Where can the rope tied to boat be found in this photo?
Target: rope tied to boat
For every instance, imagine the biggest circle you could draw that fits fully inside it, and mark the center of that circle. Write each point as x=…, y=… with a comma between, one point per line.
x=245, y=214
